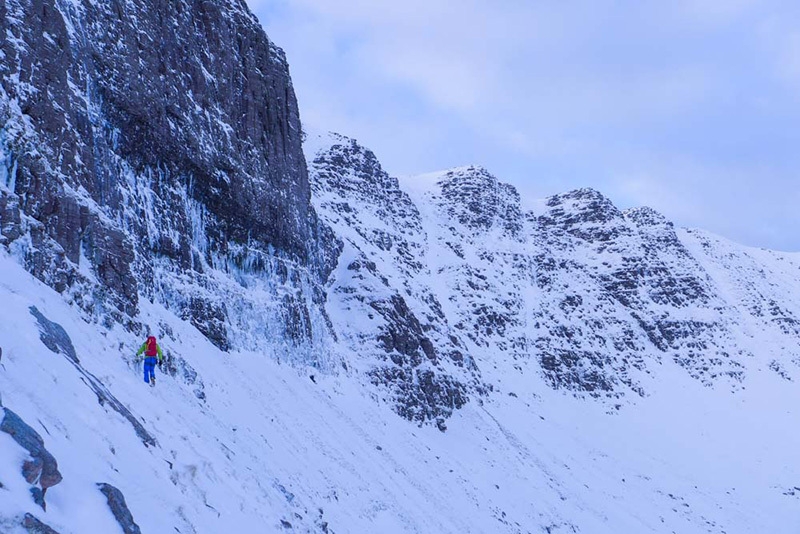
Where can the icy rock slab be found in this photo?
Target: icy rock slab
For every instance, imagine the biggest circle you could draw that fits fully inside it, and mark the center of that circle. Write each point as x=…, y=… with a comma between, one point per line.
x=116, y=501
x=42, y=466
x=34, y=526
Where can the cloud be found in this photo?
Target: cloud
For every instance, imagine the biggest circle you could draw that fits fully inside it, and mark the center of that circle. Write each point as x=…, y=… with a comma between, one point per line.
x=695, y=197
x=558, y=95
x=716, y=12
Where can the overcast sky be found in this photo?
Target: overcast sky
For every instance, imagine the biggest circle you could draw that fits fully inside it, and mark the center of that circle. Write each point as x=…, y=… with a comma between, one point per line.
x=689, y=106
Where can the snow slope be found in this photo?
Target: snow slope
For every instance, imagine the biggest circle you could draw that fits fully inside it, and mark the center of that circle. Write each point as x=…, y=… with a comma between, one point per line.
x=271, y=445
x=255, y=442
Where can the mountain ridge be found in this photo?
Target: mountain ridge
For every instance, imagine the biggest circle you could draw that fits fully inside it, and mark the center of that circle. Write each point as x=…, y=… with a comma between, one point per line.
x=643, y=297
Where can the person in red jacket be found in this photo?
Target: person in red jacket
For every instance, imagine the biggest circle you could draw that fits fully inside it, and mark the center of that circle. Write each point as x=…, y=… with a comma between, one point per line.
x=151, y=351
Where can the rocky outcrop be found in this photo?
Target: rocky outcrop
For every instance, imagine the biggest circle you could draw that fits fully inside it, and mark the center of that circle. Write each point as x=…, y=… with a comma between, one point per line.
x=400, y=338
x=456, y=278
x=152, y=149
x=478, y=201
x=57, y=340
x=42, y=468
x=179, y=368
x=34, y=526
x=585, y=214
x=54, y=336
x=116, y=502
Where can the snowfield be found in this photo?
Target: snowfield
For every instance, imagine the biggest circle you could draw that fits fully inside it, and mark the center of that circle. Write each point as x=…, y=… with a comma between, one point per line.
x=277, y=448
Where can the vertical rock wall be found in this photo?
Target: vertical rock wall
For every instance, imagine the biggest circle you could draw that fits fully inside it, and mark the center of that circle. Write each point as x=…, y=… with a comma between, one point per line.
x=152, y=149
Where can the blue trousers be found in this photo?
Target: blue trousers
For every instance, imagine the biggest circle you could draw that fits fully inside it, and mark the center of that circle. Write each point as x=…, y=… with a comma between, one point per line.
x=149, y=368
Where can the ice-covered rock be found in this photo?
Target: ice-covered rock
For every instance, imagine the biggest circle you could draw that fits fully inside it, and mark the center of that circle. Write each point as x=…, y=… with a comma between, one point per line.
x=116, y=502
x=164, y=163
x=580, y=294
x=34, y=526
x=41, y=468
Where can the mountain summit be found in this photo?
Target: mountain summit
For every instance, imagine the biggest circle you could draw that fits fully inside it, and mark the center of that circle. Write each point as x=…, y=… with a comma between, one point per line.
x=589, y=298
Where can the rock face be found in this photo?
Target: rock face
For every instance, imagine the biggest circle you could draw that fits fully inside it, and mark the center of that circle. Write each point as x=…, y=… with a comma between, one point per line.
x=391, y=323
x=116, y=502
x=34, y=526
x=152, y=150
x=448, y=274
x=57, y=340
x=42, y=467
x=627, y=293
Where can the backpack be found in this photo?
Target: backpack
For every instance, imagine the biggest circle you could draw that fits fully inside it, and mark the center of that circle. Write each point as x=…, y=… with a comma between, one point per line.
x=152, y=347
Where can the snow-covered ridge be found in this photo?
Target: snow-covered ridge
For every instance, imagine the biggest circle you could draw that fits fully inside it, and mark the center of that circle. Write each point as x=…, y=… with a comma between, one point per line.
x=384, y=316
x=580, y=296
x=271, y=448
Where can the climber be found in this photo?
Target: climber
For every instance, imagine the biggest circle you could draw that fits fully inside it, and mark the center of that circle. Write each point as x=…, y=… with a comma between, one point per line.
x=151, y=350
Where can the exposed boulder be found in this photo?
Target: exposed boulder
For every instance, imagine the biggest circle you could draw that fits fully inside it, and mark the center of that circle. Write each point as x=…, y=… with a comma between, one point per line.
x=42, y=467
x=34, y=526
x=116, y=502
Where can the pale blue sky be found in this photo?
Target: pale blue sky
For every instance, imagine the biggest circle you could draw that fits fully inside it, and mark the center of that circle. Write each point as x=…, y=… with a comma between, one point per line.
x=691, y=107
